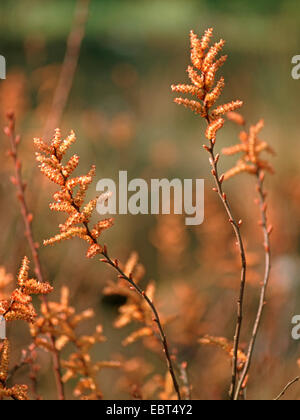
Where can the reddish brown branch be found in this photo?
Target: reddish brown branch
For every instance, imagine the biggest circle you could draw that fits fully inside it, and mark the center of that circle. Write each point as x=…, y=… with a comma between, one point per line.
x=286, y=388
x=69, y=66
x=21, y=186
x=24, y=361
x=267, y=230
x=27, y=218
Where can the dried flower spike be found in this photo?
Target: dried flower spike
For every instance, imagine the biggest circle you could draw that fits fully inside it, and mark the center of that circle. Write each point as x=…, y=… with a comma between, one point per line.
x=60, y=320
x=251, y=148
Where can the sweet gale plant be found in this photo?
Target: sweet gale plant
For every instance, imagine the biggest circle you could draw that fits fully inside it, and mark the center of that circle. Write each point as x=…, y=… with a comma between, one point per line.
x=57, y=328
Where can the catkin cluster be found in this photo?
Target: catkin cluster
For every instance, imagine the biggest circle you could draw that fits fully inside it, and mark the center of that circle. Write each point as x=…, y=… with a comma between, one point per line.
x=202, y=74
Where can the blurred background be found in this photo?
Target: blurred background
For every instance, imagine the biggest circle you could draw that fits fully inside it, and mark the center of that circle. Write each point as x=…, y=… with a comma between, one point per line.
x=120, y=106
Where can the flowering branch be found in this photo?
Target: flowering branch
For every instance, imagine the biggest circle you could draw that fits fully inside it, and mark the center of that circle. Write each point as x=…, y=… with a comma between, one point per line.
x=18, y=308
x=267, y=230
x=66, y=200
x=186, y=381
x=203, y=87
x=286, y=388
x=237, y=231
x=251, y=162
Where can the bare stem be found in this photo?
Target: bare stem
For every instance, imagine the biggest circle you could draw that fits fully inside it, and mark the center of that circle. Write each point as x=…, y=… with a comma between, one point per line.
x=282, y=393
x=214, y=159
x=57, y=370
x=27, y=218
x=266, y=232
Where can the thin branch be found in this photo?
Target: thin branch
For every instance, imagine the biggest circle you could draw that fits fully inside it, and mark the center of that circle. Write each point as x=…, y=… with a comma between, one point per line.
x=286, y=388
x=27, y=218
x=214, y=159
x=34, y=385
x=266, y=232
x=24, y=361
x=163, y=338
x=69, y=66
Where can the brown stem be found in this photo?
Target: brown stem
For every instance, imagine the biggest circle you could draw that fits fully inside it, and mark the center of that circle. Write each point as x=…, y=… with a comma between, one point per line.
x=20, y=186
x=186, y=381
x=27, y=218
x=286, y=388
x=60, y=99
x=57, y=370
x=156, y=318
x=115, y=265
x=69, y=66
x=236, y=227
x=266, y=233
x=26, y=360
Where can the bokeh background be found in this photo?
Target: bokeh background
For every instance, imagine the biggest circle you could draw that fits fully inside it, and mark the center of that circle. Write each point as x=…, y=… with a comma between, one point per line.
x=121, y=108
